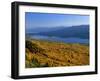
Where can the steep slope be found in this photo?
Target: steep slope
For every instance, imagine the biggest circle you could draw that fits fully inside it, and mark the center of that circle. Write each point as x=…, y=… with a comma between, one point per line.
x=54, y=54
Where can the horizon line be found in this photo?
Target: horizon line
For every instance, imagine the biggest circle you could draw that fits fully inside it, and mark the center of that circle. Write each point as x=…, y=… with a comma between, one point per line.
x=56, y=26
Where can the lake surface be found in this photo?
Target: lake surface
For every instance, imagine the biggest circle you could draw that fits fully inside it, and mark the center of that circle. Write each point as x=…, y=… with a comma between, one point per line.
x=59, y=39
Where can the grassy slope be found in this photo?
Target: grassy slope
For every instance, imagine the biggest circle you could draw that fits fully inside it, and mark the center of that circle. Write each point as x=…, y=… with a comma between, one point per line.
x=53, y=54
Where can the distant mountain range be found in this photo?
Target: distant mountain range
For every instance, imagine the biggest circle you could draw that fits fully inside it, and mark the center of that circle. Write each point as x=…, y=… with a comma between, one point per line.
x=43, y=29
x=81, y=31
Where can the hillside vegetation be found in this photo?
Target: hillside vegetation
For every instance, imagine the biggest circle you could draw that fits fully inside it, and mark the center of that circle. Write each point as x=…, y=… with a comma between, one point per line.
x=40, y=53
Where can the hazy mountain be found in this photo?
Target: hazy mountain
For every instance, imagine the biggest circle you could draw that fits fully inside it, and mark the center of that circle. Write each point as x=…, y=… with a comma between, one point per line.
x=81, y=31
x=43, y=29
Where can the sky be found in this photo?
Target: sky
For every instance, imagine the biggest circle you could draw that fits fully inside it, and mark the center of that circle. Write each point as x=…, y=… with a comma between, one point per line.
x=33, y=20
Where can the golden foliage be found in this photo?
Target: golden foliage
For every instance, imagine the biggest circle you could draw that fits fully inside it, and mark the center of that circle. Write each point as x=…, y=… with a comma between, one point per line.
x=54, y=54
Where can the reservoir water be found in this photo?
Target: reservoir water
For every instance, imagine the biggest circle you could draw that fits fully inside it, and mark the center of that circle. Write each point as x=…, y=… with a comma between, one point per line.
x=59, y=39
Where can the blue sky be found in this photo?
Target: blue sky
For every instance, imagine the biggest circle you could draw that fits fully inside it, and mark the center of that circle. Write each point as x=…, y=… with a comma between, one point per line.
x=33, y=20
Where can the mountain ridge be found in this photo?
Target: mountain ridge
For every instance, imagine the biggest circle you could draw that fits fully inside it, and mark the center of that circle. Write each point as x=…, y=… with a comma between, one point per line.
x=81, y=31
